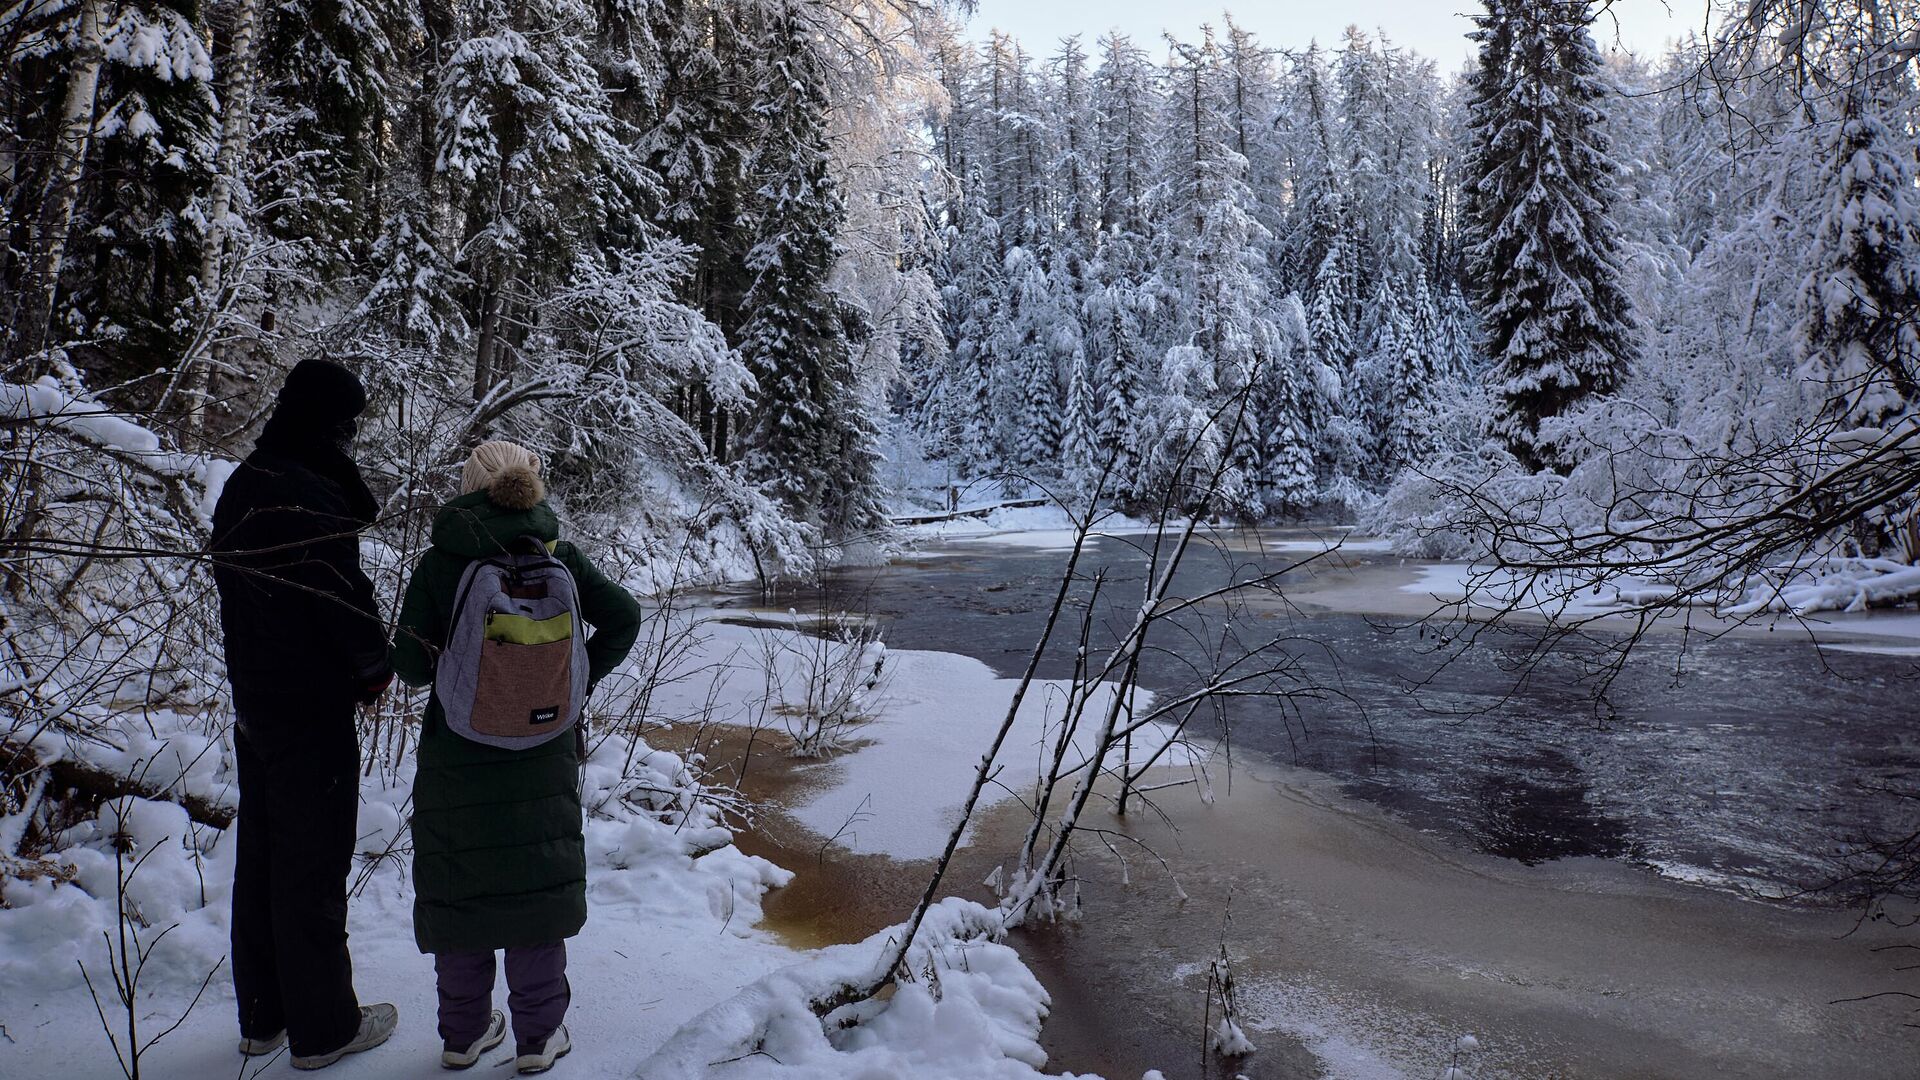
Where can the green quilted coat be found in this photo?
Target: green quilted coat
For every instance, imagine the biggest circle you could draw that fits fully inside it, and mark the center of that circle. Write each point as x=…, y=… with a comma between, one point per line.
x=498, y=857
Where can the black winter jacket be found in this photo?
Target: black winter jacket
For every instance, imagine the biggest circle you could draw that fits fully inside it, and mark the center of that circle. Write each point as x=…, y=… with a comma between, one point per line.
x=298, y=612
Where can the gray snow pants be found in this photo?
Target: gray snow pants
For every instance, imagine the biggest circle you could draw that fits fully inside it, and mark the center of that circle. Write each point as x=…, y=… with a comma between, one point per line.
x=537, y=994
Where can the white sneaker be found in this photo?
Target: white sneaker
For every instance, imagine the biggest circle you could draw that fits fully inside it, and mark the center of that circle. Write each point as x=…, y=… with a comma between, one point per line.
x=376, y=1025
x=556, y=1048
x=261, y=1047
x=464, y=1059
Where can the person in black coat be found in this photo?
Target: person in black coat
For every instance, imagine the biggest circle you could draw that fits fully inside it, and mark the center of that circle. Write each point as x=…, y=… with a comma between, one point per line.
x=305, y=644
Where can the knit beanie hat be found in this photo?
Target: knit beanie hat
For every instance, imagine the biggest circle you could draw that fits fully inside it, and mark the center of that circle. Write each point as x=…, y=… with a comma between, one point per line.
x=508, y=472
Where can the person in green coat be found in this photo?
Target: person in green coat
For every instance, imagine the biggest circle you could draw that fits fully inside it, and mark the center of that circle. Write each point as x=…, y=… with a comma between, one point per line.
x=499, y=861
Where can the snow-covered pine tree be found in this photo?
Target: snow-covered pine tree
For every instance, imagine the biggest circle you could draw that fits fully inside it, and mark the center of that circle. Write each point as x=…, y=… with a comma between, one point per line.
x=798, y=442
x=1860, y=326
x=1125, y=103
x=1412, y=379
x=1540, y=184
x=1079, y=452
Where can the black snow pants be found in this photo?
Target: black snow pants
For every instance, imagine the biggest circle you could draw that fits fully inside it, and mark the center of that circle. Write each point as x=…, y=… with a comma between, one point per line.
x=299, y=765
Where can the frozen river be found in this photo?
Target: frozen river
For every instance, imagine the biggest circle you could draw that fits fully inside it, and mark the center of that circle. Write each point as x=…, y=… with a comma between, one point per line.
x=1432, y=849
x=1750, y=769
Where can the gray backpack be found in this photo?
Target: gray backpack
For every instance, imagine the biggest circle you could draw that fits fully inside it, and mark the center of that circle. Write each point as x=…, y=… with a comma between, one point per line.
x=513, y=672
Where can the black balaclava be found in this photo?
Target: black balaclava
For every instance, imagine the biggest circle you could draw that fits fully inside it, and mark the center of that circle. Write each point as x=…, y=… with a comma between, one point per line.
x=313, y=422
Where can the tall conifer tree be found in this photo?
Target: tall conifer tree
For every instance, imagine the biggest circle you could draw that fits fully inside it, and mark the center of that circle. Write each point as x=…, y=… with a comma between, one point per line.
x=1540, y=185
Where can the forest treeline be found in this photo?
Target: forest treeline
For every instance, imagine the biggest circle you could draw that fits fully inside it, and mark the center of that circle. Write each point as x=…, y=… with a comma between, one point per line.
x=720, y=259
x=1593, y=278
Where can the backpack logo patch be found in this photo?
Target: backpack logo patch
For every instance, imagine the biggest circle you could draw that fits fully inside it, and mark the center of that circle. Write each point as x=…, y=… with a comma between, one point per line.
x=542, y=716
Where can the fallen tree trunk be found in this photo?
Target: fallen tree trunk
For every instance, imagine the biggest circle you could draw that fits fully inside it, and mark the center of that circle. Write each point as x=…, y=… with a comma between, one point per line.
x=86, y=786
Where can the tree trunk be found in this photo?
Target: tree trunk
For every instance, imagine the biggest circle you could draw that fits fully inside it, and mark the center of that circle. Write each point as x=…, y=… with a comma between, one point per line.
x=63, y=188
x=236, y=131
x=483, y=360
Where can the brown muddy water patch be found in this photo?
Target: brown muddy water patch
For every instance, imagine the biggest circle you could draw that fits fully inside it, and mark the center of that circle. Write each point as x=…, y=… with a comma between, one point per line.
x=836, y=896
x=1108, y=1016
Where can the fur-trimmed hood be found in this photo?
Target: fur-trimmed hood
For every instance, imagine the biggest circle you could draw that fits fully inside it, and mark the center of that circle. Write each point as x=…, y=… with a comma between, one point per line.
x=478, y=525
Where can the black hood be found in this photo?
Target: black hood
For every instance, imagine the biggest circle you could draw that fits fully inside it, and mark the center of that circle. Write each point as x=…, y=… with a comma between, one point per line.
x=318, y=401
x=311, y=420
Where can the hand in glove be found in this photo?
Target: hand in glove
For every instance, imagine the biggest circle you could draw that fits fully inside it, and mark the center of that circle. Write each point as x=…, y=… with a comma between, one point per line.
x=371, y=690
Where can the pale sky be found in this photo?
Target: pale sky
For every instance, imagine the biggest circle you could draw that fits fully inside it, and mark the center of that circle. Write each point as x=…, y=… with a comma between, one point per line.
x=1433, y=28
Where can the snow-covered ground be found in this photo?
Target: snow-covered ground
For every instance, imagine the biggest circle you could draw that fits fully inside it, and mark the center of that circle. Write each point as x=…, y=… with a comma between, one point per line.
x=671, y=931
x=900, y=787
x=671, y=972
x=1553, y=598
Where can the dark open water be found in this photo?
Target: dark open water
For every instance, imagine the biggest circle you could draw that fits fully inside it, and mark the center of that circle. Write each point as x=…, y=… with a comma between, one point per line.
x=1754, y=769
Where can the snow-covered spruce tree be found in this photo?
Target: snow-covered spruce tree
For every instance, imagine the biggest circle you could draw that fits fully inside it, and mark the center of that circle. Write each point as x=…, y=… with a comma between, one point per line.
x=1079, y=453
x=806, y=438
x=1027, y=392
x=1459, y=336
x=971, y=296
x=1333, y=335
x=698, y=137
x=1292, y=410
x=1413, y=375
x=1861, y=324
x=1372, y=398
x=1540, y=183
x=534, y=160
x=1214, y=242
x=1121, y=379
x=324, y=75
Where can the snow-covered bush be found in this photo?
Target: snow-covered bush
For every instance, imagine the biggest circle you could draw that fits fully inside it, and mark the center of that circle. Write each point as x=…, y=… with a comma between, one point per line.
x=821, y=677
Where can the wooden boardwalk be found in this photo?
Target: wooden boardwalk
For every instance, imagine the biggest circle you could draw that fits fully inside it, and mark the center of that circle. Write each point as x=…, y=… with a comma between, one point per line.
x=968, y=512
